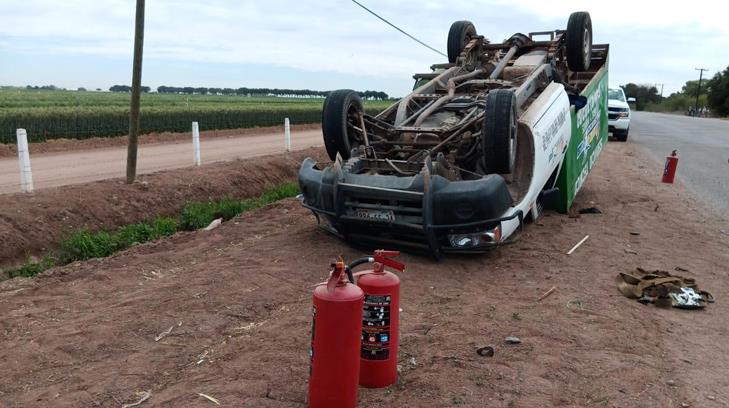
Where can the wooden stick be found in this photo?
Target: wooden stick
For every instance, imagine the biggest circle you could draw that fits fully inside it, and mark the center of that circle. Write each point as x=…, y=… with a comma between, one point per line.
x=209, y=398
x=578, y=245
x=547, y=293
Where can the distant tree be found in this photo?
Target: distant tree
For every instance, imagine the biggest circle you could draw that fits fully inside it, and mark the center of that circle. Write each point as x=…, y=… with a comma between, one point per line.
x=120, y=88
x=691, y=87
x=81, y=89
x=98, y=89
x=643, y=94
x=718, y=97
x=145, y=89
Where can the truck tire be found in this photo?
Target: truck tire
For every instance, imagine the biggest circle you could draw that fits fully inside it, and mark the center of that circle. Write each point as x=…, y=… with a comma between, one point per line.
x=459, y=35
x=622, y=136
x=342, y=109
x=498, y=138
x=579, y=41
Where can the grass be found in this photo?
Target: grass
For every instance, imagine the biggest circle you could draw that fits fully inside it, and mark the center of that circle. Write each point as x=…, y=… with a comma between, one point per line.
x=32, y=268
x=199, y=215
x=83, y=245
x=80, y=115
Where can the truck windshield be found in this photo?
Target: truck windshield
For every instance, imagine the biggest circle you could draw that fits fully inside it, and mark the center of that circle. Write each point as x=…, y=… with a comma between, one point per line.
x=616, y=94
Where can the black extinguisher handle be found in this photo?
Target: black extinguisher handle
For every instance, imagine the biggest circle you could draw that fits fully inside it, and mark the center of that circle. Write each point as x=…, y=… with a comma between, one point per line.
x=356, y=263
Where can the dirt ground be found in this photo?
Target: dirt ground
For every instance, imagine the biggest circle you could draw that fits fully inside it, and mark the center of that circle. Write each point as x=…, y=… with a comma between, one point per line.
x=64, y=145
x=31, y=224
x=238, y=298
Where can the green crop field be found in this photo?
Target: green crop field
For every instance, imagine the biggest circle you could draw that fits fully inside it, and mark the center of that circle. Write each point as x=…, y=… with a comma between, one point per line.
x=80, y=115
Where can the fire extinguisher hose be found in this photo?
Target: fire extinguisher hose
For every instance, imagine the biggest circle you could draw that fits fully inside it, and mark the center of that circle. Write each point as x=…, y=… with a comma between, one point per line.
x=356, y=263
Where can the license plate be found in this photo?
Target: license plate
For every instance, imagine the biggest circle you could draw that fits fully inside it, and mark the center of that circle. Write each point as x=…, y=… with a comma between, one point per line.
x=375, y=215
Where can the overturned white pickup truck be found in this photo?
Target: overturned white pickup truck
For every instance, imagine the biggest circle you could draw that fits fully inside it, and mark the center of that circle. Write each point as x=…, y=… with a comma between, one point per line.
x=481, y=146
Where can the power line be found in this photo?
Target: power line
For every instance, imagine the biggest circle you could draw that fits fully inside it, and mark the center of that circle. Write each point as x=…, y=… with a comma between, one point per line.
x=398, y=28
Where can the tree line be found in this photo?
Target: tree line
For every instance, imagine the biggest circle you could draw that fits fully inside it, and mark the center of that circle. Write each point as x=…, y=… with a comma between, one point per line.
x=713, y=94
x=127, y=88
x=290, y=93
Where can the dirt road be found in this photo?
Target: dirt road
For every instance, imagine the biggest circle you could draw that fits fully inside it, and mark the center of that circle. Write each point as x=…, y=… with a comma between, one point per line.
x=63, y=168
x=236, y=303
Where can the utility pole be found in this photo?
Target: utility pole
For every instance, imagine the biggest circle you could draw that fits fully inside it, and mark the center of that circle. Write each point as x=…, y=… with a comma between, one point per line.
x=698, y=90
x=136, y=90
x=661, y=89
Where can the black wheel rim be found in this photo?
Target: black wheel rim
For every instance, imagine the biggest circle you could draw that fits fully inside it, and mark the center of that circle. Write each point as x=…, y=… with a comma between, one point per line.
x=354, y=138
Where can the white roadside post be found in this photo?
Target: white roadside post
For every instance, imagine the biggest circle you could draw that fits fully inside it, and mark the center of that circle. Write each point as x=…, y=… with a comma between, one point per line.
x=195, y=143
x=287, y=134
x=26, y=177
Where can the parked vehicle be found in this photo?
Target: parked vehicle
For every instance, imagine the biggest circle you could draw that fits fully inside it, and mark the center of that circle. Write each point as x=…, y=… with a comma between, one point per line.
x=618, y=114
x=485, y=143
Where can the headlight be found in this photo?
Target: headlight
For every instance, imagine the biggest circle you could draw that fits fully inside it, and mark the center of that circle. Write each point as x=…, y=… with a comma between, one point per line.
x=472, y=240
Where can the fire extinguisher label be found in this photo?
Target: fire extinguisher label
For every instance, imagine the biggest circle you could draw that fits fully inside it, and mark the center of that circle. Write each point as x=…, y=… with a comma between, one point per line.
x=311, y=348
x=376, y=327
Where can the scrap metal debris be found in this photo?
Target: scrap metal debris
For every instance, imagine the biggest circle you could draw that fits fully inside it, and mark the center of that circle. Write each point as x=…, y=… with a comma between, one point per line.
x=590, y=210
x=486, y=351
x=663, y=289
x=143, y=396
x=512, y=340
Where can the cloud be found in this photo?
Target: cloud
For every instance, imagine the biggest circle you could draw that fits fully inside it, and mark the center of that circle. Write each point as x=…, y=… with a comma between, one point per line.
x=657, y=42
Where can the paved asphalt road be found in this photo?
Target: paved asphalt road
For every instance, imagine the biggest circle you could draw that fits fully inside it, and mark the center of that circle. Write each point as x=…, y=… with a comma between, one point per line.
x=703, y=149
x=62, y=168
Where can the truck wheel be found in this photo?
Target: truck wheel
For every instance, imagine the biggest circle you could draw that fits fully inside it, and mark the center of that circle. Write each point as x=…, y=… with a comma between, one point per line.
x=460, y=34
x=579, y=41
x=498, y=138
x=622, y=136
x=342, y=110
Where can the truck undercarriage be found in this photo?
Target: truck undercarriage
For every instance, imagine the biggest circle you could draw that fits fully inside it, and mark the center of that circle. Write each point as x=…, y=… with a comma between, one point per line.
x=439, y=169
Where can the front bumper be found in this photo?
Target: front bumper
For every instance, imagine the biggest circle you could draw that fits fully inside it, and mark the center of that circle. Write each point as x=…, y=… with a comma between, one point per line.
x=621, y=124
x=421, y=213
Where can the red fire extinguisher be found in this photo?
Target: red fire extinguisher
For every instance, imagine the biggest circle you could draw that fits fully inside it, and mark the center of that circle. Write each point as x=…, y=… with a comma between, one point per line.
x=669, y=171
x=380, y=319
x=335, y=342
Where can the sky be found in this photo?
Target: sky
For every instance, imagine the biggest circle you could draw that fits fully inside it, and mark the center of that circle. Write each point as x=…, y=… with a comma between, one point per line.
x=330, y=44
